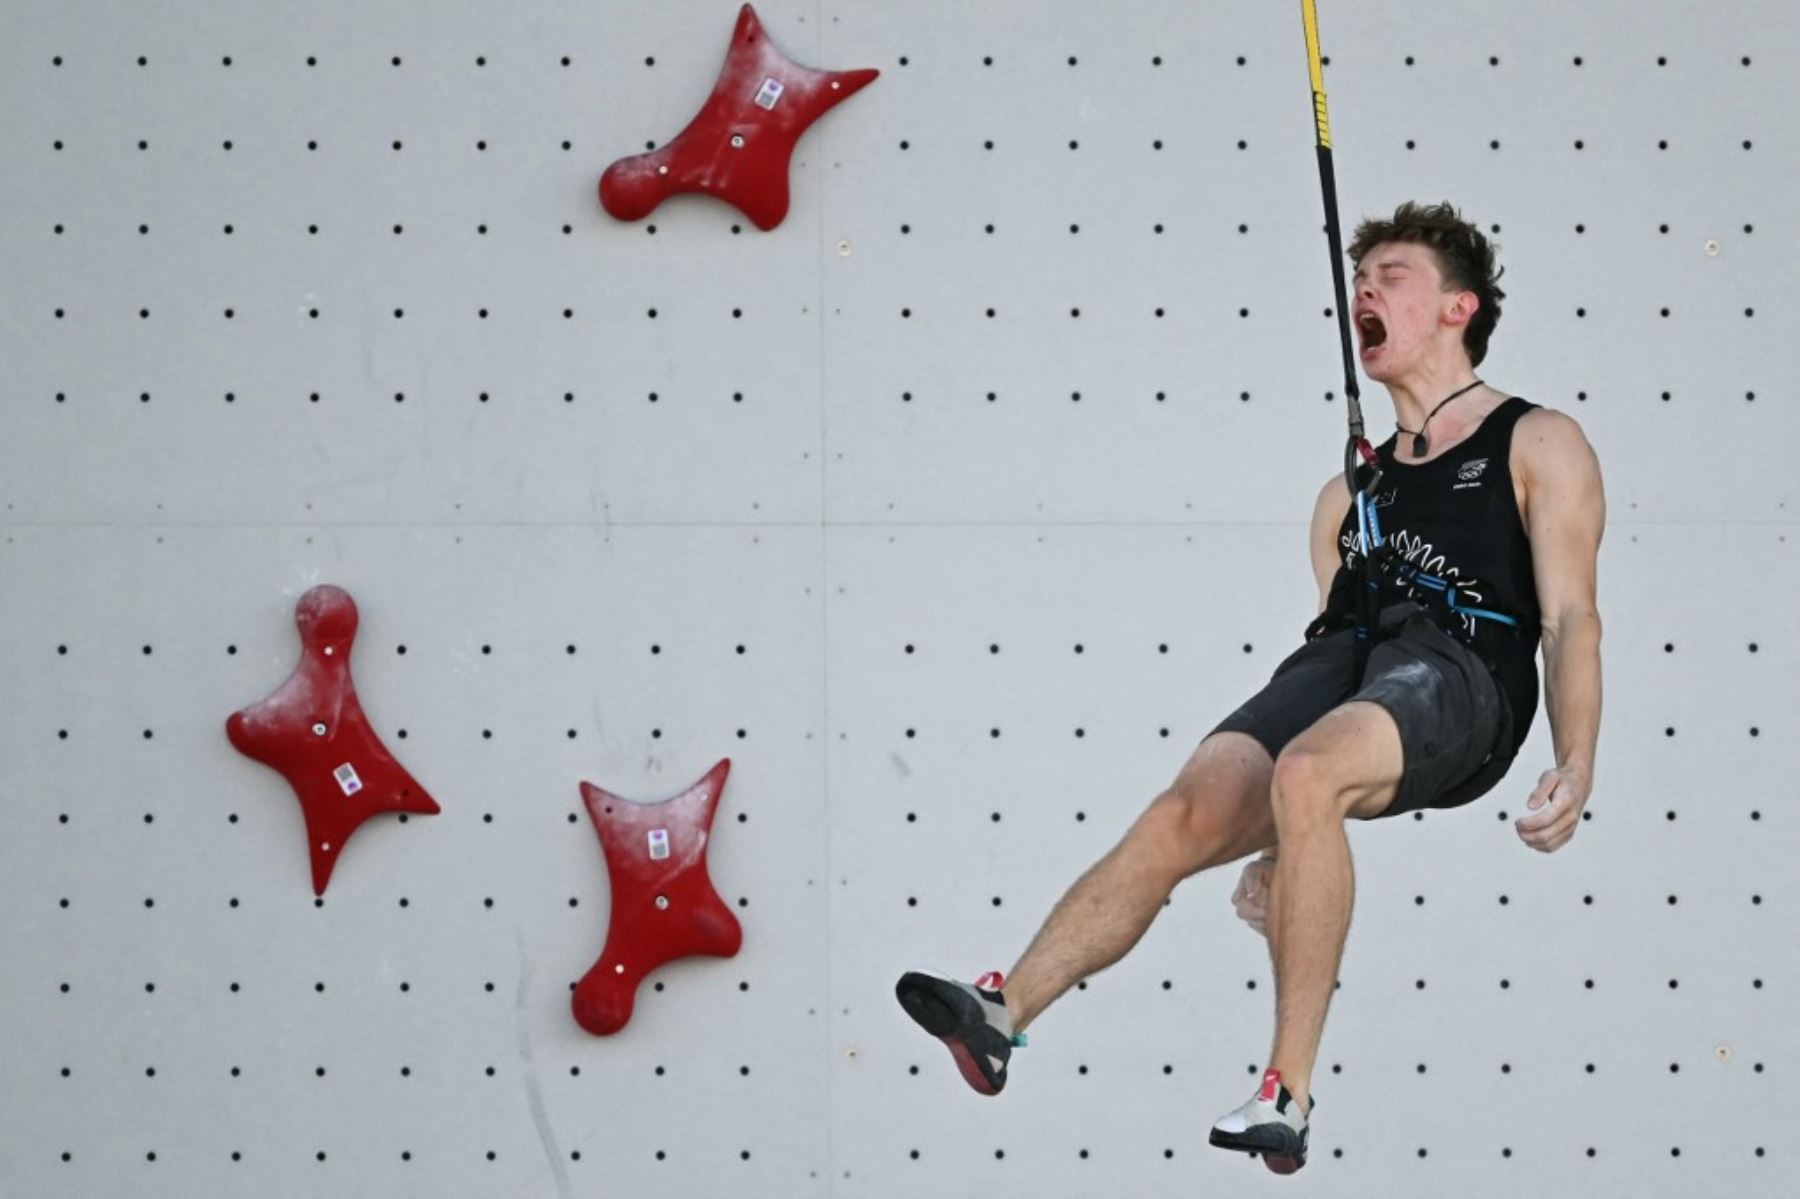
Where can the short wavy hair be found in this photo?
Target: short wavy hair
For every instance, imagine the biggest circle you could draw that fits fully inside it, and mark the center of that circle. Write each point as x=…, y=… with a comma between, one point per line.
x=1465, y=260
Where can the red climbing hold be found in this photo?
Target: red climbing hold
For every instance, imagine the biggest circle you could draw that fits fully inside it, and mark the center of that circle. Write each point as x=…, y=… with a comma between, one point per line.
x=663, y=904
x=312, y=730
x=737, y=147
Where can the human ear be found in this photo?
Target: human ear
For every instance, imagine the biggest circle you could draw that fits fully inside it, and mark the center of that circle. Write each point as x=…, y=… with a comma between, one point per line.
x=1463, y=308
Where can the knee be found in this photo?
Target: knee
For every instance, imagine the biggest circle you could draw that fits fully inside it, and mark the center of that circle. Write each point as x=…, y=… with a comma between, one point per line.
x=1302, y=788
x=1180, y=831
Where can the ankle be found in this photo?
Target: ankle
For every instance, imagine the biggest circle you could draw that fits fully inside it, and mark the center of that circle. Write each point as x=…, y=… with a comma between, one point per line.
x=1016, y=1014
x=1300, y=1087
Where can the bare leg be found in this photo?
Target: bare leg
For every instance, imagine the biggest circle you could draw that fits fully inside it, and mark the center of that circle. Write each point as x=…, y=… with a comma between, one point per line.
x=1309, y=921
x=1095, y=924
x=1345, y=766
x=1224, y=816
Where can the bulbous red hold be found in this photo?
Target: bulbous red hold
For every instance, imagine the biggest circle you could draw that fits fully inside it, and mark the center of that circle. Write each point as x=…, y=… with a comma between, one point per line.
x=739, y=145
x=313, y=731
x=663, y=903
x=630, y=188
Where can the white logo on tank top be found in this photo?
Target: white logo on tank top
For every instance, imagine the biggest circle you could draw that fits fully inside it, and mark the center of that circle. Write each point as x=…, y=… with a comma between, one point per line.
x=1469, y=472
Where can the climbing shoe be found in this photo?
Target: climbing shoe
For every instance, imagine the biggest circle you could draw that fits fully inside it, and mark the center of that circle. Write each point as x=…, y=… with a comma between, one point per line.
x=970, y=1019
x=1270, y=1124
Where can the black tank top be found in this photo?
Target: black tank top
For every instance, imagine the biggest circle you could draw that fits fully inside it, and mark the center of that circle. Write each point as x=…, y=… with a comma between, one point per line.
x=1456, y=517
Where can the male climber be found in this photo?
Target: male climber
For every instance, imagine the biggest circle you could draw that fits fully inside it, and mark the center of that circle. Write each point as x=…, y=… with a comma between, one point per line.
x=1498, y=498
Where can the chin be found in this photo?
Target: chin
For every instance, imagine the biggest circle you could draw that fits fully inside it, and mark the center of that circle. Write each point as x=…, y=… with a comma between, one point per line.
x=1384, y=368
x=1379, y=371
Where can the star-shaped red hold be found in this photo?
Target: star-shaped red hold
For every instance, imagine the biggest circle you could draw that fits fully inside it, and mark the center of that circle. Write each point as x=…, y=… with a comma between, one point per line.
x=314, y=732
x=663, y=903
x=737, y=148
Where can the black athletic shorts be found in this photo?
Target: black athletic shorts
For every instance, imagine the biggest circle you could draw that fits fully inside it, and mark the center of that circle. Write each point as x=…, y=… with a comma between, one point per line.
x=1455, y=722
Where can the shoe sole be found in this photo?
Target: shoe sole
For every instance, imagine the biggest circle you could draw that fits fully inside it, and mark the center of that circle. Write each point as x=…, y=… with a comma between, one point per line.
x=1282, y=1151
x=947, y=1013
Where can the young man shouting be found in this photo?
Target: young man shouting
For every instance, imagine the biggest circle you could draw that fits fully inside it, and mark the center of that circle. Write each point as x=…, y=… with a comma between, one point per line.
x=1499, y=501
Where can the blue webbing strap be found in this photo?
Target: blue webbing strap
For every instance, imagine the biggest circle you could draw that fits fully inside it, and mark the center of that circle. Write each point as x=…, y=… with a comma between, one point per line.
x=1368, y=599
x=1370, y=525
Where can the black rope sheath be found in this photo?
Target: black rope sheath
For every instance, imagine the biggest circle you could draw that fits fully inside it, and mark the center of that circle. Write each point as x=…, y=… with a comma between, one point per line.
x=1358, y=446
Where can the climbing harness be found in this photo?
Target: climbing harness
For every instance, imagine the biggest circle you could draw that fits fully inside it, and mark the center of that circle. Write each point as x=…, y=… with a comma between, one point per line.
x=1386, y=559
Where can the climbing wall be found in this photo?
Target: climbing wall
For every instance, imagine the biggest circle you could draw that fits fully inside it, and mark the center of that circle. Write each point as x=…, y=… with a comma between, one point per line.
x=954, y=511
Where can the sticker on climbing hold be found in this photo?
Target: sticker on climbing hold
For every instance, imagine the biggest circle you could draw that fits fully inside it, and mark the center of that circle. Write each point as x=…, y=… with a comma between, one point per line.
x=346, y=779
x=771, y=92
x=659, y=844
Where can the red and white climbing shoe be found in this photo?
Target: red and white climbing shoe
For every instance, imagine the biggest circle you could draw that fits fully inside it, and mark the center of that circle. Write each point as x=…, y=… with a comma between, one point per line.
x=1271, y=1124
x=970, y=1020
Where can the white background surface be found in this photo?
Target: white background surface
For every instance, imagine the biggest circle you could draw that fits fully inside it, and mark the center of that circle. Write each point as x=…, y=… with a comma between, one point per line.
x=801, y=555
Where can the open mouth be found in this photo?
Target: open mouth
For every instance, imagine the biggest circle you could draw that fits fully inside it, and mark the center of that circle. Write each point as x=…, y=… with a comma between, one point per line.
x=1373, y=331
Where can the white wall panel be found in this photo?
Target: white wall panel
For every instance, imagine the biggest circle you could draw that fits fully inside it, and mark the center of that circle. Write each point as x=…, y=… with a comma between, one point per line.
x=823, y=551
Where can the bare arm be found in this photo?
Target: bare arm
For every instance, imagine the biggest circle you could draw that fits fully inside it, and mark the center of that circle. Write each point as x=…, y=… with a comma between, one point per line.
x=1328, y=516
x=1565, y=519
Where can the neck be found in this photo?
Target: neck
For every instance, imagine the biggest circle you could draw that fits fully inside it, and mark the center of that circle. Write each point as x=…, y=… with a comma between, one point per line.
x=1419, y=392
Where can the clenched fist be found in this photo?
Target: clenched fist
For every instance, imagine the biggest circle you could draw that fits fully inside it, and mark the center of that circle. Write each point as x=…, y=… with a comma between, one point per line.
x=1251, y=899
